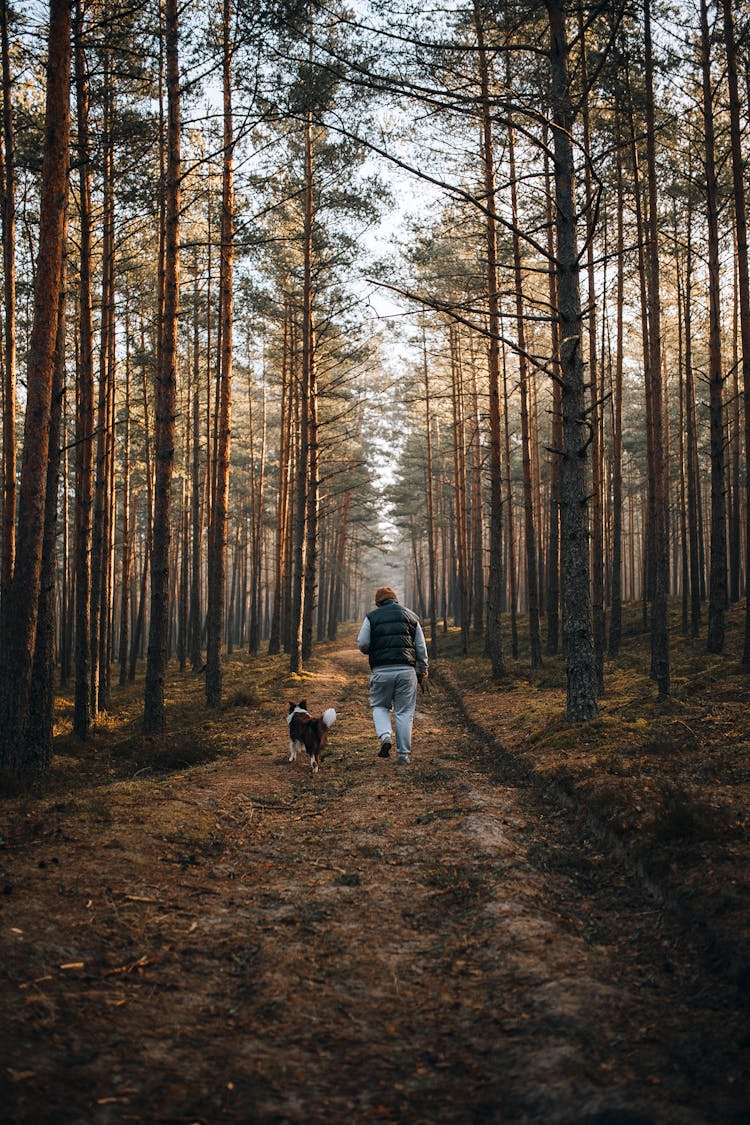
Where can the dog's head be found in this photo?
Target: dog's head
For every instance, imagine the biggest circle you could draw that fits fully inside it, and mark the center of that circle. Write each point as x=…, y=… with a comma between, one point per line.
x=296, y=709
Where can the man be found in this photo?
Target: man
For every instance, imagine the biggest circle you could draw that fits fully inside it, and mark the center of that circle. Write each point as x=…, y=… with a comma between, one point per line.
x=392, y=638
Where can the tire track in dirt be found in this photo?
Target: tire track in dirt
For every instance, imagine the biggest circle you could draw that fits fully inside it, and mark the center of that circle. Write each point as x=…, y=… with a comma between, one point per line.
x=374, y=943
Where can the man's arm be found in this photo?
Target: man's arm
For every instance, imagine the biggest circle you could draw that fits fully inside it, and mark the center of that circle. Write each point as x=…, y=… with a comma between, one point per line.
x=421, y=649
x=363, y=637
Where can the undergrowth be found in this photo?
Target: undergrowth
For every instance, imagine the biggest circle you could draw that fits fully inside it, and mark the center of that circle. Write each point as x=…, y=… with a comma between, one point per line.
x=194, y=734
x=669, y=776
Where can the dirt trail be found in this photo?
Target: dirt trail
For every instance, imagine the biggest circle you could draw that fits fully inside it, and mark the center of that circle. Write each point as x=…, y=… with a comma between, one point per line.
x=246, y=942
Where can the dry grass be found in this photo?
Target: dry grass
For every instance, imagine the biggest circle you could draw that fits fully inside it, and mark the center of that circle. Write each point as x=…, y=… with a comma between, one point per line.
x=117, y=748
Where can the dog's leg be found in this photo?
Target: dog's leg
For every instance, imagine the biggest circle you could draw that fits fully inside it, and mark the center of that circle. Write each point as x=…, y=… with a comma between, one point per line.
x=292, y=750
x=313, y=763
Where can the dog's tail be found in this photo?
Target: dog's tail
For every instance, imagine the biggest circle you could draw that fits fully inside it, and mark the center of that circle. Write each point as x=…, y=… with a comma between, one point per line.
x=329, y=718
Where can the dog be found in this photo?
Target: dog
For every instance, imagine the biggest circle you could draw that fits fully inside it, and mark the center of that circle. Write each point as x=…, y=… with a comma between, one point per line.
x=306, y=733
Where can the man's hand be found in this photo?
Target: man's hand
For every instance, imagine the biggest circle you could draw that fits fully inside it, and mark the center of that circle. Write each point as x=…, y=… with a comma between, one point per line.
x=422, y=677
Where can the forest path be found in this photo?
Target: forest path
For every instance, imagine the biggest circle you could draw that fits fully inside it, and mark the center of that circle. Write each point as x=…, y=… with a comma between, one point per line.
x=247, y=942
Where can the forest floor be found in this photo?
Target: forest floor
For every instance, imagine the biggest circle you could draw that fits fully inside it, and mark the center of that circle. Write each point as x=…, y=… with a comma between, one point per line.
x=532, y=922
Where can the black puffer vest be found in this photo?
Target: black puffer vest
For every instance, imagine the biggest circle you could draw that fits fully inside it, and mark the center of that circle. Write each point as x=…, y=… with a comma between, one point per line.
x=392, y=632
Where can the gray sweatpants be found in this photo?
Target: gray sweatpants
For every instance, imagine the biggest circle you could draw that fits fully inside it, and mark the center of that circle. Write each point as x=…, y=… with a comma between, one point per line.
x=397, y=687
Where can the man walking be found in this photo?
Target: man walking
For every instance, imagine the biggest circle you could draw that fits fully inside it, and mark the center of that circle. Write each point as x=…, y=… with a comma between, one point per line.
x=392, y=638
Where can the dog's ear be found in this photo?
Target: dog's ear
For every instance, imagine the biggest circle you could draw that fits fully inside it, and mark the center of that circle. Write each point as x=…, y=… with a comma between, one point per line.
x=303, y=704
x=291, y=708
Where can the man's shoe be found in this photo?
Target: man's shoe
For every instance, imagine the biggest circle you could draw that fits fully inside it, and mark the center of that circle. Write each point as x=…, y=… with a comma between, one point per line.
x=385, y=748
x=402, y=760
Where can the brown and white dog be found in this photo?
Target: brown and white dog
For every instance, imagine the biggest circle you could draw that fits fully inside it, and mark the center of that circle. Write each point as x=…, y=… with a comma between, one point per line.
x=306, y=733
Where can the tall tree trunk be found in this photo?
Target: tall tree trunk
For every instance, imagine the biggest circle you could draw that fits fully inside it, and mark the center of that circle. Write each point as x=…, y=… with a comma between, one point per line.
x=459, y=491
x=615, y=623
x=107, y=607
x=166, y=398
x=196, y=622
x=691, y=441
x=718, y=567
x=532, y=580
x=7, y=561
x=101, y=531
x=743, y=278
x=494, y=645
x=430, y=482
x=735, y=445
x=510, y=537
x=220, y=509
x=138, y=627
x=127, y=545
x=257, y=489
x=84, y=403
x=684, y=554
x=38, y=748
x=305, y=567
x=659, y=623
x=282, y=499
x=18, y=644
x=477, y=513
x=649, y=539
x=296, y=564
x=597, y=474
x=310, y=384
x=574, y=560
x=67, y=601
x=553, y=547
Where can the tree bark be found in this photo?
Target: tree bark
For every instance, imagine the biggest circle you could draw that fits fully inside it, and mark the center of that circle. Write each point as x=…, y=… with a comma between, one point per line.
x=576, y=598
x=659, y=624
x=743, y=279
x=282, y=499
x=718, y=551
x=7, y=561
x=310, y=388
x=18, y=647
x=196, y=489
x=219, y=511
x=257, y=498
x=306, y=504
x=127, y=546
x=38, y=747
x=615, y=621
x=494, y=645
x=693, y=514
x=530, y=542
x=459, y=491
x=553, y=546
x=135, y=646
x=597, y=475
x=166, y=398
x=84, y=404
x=477, y=513
x=430, y=482
x=510, y=535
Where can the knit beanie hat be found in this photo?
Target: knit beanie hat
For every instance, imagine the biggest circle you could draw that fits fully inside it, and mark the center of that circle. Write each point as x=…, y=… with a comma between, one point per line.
x=384, y=594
